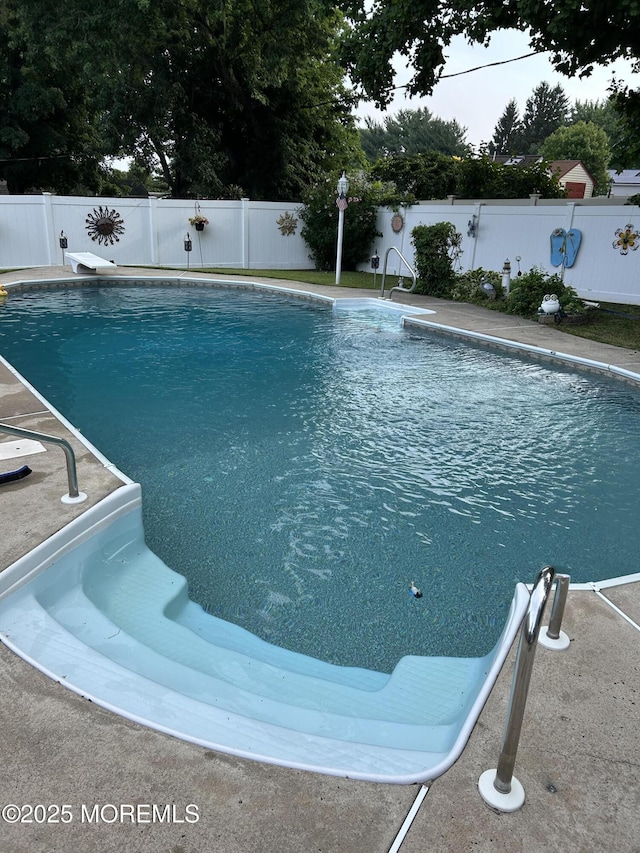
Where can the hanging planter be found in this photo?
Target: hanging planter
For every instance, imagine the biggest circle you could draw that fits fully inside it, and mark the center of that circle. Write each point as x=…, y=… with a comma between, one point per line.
x=199, y=220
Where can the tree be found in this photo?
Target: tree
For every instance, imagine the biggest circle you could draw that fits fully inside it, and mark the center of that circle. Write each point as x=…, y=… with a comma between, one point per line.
x=606, y=115
x=48, y=138
x=424, y=176
x=578, y=35
x=546, y=110
x=582, y=141
x=433, y=175
x=507, y=130
x=412, y=132
x=626, y=153
x=227, y=99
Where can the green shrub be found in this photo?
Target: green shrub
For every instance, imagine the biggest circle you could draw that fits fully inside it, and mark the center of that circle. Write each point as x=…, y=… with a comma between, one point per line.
x=320, y=216
x=528, y=291
x=437, y=248
x=468, y=286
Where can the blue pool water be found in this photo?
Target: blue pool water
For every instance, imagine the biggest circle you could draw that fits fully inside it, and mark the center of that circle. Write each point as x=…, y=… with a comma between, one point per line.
x=301, y=468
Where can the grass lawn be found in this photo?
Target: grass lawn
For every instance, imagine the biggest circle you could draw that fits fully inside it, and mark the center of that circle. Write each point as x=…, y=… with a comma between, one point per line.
x=610, y=324
x=347, y=279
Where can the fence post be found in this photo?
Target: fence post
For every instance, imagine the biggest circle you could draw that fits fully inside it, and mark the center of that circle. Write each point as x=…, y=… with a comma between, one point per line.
x=48, y=227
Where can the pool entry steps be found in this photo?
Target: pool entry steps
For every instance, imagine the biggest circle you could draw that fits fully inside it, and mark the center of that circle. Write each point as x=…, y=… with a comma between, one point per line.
x=96, y=610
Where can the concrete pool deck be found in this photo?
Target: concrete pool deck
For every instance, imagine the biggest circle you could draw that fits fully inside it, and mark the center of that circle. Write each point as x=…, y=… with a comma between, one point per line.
x=578, y=760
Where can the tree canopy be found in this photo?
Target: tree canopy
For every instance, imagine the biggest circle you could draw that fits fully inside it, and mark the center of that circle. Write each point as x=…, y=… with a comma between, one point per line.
x=545, y=111
x=228, y=99
x=48, y=134
x=579, y=35
x=582, y=141
x=435, y=176
x=412, y=132
x=505, y=135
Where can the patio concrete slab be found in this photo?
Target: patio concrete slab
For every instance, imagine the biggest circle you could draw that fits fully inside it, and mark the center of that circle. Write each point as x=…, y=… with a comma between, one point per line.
x=626, y=598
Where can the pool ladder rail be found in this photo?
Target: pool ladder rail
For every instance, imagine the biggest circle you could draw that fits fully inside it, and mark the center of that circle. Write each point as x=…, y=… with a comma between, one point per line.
x=74, y=495
x=499, y=788
x=407, y=265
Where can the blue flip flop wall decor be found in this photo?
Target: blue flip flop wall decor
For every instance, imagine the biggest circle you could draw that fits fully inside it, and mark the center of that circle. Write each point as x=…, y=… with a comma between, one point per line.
x=565, y=246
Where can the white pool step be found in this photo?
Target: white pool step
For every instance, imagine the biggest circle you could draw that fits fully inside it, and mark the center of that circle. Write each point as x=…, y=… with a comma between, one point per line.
x=215, y=684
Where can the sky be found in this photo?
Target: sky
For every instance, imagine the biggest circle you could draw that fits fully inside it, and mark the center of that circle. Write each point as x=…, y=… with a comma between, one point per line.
x=477, y=100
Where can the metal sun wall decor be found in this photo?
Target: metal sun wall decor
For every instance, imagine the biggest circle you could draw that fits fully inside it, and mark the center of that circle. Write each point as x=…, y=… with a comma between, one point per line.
x=627, y=239
x=287, y=224
x=104, y=225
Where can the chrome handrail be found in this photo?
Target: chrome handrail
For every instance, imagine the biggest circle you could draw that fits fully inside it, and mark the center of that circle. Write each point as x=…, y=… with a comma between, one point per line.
x=521, y=678
x=408, y=266
x=74, y=495
x=499, y=788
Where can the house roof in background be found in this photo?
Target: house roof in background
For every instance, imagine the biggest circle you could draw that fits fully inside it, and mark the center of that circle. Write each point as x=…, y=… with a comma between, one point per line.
x=562, y=167
x=626, y=176
x=522, y=160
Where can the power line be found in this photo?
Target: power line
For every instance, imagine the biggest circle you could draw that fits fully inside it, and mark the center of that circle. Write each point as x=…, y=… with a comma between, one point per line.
x=488, y=65
x=447, y=76
x=42, y=157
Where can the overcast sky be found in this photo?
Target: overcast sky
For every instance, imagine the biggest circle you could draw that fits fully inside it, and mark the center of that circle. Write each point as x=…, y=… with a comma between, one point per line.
x=477, y=100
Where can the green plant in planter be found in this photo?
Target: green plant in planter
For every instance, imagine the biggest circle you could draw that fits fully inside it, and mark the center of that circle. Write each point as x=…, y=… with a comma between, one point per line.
x=198, y=221
x=437, y=248
x=528, y=291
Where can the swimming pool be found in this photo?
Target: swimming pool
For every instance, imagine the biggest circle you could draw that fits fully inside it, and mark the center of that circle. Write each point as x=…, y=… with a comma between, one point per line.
x=384, y=457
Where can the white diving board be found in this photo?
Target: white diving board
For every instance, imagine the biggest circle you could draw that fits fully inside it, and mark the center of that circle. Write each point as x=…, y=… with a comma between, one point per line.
x=89, y=261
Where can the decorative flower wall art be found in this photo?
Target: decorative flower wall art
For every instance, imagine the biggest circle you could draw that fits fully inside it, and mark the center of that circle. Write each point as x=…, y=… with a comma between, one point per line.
x=627, y=239
x=104, y=225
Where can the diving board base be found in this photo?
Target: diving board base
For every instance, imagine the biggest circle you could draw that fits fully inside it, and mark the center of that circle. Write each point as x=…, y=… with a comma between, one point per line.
x=88, y=262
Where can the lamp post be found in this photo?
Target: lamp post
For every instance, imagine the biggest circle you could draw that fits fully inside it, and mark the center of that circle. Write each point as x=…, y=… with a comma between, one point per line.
x=341, y=202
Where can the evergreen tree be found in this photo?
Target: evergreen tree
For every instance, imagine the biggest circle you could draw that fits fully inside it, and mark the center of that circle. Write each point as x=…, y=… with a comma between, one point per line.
x=507, y=131
x=546, y=110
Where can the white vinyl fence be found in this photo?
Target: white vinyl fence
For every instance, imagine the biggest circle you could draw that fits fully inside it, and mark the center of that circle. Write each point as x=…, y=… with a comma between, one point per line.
x=250, y=235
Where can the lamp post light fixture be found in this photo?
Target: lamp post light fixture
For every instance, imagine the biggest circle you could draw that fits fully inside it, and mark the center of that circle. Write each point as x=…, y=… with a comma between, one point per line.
x=341, y=202
x=188, y=246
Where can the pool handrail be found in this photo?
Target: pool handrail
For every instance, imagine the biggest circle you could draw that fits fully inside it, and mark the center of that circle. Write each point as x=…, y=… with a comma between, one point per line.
x=499, y=788
x=408, y=266
x=74, y=495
